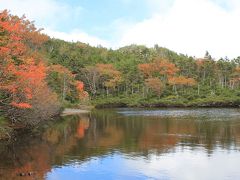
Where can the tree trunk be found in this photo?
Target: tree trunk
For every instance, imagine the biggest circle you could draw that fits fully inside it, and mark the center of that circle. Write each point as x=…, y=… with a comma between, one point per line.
x=64, y=88
x=107, y=91
x=198, y=89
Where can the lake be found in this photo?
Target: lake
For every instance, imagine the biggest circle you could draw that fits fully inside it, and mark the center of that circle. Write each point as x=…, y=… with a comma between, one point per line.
x=183, y=144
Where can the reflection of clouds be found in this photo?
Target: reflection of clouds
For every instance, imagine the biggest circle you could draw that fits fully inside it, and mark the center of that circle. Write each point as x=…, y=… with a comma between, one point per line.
x=181, y=164
x=104, y=167
x=187, y=164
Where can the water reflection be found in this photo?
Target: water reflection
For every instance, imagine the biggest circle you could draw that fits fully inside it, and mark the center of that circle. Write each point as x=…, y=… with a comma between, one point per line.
x=115, y=144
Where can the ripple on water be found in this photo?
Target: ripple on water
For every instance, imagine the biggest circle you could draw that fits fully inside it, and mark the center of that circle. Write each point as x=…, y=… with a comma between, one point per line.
x=200, y=113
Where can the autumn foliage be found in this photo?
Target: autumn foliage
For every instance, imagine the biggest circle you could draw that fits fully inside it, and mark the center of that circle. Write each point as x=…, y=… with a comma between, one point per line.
x=159, y=66
x=161, y=72
x=110, y=75
x=65, y=83
x=101, y=76
x=23, y=73
x=155, y=84
x=181, y=80
x=24, y=91
x=20, y=73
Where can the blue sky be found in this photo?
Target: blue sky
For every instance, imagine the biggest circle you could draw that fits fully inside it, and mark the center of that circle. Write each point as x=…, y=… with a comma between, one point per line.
x=186, y=26
x=100, y=14
x=96, y=17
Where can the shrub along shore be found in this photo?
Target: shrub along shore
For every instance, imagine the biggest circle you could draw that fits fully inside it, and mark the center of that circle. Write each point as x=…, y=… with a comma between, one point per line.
x=170, y=102
x=7, y=130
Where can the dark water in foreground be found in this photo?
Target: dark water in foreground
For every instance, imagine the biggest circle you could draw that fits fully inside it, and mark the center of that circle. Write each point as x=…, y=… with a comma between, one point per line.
x=130, y=144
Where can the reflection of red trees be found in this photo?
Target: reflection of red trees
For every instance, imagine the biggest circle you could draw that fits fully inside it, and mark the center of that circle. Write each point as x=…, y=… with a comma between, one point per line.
x=82, y=126
x=163, y=135
x=38, y=156
x=168, y=133
x=112, y=136
x=109, y=137
x=31, y=163
x=65, y=139
x=155, y=136
x=158, y=134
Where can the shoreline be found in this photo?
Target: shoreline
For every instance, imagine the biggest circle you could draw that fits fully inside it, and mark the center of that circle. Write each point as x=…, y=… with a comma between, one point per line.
x=7, y=131
x=72, y=111
x=166, y=102
x=161, y=105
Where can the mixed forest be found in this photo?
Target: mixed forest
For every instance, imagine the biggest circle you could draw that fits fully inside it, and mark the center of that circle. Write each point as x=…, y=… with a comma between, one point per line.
x=40, y=75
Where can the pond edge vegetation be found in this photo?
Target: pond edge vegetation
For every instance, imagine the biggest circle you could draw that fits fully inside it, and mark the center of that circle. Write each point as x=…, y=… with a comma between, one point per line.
x=40, y=76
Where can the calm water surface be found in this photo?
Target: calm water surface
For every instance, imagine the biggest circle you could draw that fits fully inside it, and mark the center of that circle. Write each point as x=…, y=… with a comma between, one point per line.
x=130, y=144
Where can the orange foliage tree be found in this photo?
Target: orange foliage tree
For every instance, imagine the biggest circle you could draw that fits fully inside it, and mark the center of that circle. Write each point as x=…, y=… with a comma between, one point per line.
x=155, y=84
x=22, y=72
x=158, y=67
x=82, y=95
x=161, y=72
x=101, y=76
x=181, y=81
x=110, y=76
x=66, y=84
x=235, y=80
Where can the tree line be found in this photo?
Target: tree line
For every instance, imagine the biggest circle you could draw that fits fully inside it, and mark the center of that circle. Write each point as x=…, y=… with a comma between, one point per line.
x=147, y=73
x=39, y=74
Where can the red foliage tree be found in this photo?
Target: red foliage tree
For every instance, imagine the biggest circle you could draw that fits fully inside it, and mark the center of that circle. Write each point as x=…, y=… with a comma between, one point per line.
x=22, y=72
x=19, y=71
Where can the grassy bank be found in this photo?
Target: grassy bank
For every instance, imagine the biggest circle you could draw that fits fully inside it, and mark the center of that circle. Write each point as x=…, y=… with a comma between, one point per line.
x=170, y=101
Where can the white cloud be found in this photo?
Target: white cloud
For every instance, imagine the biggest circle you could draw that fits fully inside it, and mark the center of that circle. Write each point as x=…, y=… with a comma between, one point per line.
x=190, y=27
x=160, y=5
x=187, y=165
x=186, y=26
x=44, y=12
x=77, y=35
x=49, y=14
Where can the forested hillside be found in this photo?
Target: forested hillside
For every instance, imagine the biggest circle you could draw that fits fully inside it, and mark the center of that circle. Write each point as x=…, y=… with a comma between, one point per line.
x=38, y=75
x=136, y=75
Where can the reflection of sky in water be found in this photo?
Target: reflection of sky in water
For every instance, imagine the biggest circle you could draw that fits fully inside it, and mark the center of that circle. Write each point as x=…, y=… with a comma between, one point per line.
x=167, y=149
x=135, y=144
x=181, y=164
x=210, y=113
